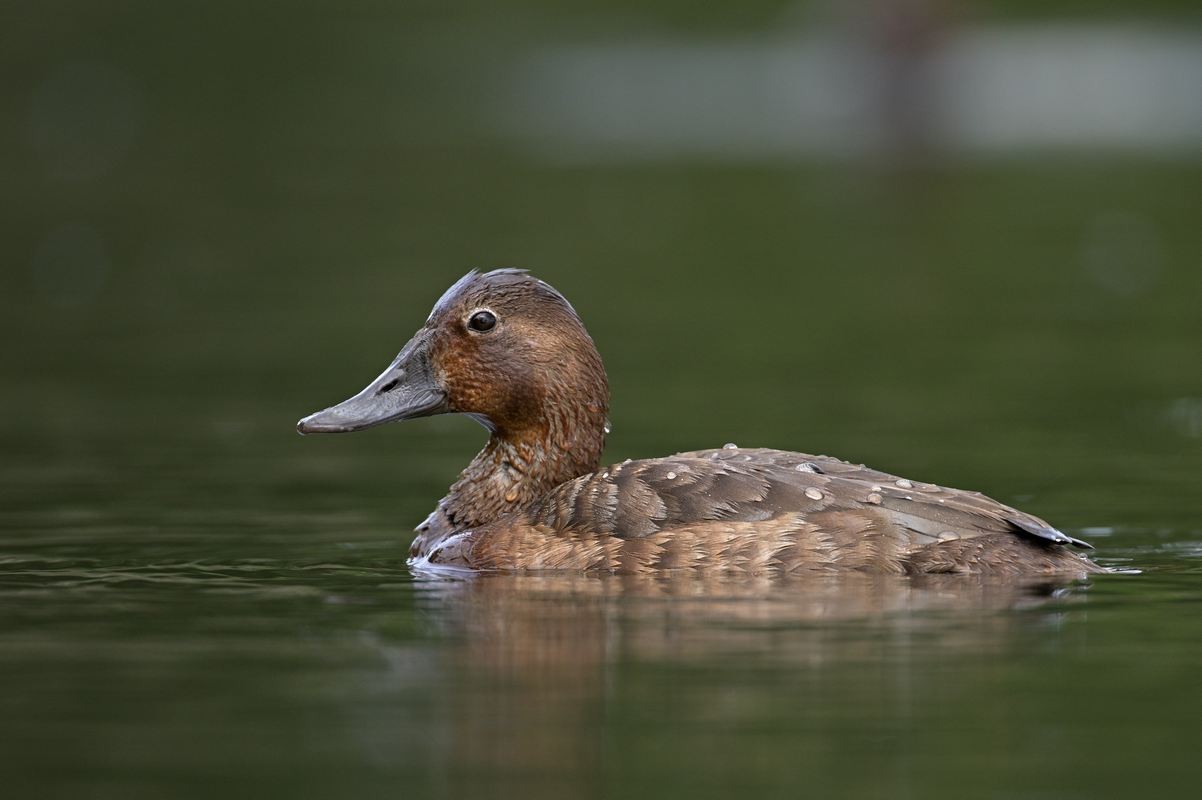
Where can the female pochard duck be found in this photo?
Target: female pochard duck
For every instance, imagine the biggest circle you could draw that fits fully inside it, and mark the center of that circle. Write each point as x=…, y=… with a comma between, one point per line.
x=510, y=351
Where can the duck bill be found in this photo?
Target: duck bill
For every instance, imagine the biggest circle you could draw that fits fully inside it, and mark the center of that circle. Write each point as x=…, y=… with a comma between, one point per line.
x=406, y=390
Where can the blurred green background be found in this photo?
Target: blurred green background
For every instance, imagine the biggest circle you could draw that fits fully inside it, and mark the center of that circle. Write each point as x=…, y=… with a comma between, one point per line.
x=956, y=241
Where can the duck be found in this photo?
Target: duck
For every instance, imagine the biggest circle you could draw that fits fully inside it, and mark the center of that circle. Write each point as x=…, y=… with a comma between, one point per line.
x=508, y=350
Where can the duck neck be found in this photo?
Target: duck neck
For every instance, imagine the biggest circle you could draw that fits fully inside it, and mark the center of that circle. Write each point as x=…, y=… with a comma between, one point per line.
x=518, y=467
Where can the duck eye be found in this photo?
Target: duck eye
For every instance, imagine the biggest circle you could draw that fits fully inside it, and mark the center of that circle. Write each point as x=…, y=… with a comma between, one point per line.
x=482, y=321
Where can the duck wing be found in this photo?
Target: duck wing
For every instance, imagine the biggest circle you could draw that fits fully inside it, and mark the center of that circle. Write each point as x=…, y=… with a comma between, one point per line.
x=771, y=510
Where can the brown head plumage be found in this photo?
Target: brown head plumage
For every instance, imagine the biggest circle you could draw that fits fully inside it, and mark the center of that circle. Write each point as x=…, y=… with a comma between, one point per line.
x=510, y=349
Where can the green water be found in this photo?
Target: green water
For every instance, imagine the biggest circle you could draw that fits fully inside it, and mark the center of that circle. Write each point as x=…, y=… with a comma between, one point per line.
x=195, y=601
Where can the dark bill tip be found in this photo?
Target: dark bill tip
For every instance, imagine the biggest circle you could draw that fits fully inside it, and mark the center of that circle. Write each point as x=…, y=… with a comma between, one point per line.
x=313, y=424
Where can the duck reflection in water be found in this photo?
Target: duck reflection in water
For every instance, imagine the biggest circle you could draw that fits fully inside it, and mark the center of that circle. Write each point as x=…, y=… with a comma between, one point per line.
x=541, y=665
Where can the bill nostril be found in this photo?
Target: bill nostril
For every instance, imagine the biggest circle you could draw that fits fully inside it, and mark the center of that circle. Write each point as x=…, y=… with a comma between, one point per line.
x=388, y=387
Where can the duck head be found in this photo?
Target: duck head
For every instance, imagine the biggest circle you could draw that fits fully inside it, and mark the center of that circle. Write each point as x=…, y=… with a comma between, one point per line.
x=503, y=347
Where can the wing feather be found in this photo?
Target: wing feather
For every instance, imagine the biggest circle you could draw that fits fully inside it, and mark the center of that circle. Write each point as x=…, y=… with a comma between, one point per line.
x=758, y=509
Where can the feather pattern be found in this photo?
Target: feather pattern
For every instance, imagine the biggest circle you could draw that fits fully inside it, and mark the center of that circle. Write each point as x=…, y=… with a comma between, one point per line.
x=764, y=511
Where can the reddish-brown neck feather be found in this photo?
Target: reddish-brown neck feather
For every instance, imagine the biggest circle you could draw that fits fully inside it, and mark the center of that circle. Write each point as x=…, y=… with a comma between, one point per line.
x=560, y=436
